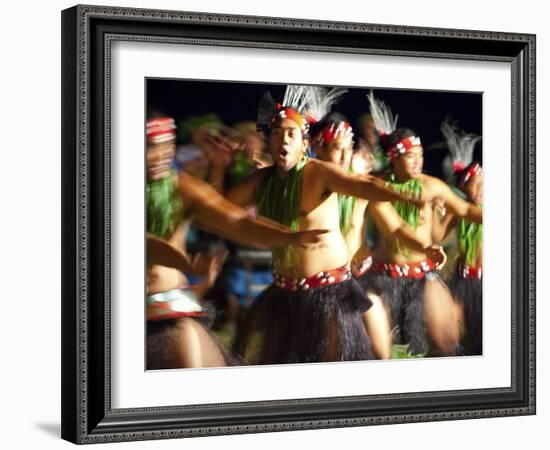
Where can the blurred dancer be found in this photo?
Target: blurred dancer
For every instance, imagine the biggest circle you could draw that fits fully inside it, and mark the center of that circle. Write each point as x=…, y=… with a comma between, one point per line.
x=369, y=143
x=312, y=311
x=175, y=337
x=332, y=140
x=421, y=305
x=466, y=284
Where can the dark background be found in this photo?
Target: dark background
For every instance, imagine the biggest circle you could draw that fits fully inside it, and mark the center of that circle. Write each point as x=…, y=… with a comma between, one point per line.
x=421, y=110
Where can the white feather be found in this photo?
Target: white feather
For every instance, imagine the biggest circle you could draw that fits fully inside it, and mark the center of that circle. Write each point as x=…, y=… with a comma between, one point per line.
x=381, y=115
x=321, y=101
x=461, y=144
x=297, y=97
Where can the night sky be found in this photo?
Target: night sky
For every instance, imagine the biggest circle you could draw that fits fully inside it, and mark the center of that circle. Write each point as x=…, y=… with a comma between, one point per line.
x=421, y=110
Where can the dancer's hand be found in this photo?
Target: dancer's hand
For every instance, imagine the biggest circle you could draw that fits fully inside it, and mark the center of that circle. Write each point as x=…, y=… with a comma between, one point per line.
x=437, y=255
x=219, y=149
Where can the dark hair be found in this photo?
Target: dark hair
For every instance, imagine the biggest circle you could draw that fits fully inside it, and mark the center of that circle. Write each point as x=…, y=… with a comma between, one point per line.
x=396, y=136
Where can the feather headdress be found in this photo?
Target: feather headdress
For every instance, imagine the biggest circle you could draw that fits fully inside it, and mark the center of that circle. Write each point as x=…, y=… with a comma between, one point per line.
x=328, y=126
x=297, y=97
x=295, y=101
x=321, y=101
x=385, y=125
x=332, y=127
x=383, y=119
x=461, y=151
x=303, y=104
x=267, y=108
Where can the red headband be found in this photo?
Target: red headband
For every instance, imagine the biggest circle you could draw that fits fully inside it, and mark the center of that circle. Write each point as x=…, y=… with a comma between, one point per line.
x=162, y=129
x=334, y=131
x=291, y=114
x=403, y=146
x=474, y=169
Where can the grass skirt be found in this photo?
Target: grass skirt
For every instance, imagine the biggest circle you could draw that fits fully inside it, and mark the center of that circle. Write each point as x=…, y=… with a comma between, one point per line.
x=468, y=291
x=315, y=325
x=404, y=298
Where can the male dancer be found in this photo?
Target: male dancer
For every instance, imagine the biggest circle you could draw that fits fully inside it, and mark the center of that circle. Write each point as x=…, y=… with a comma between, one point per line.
x=419, y=302
x=466, y=284
x=312, y=312
x=332, y=141
x=175, y=337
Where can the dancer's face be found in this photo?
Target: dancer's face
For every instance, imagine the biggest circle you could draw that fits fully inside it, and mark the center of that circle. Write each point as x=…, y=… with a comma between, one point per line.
x=338, y=151
x=159, y=159
x=474, y=189
x=287, y=144
x=409, y=165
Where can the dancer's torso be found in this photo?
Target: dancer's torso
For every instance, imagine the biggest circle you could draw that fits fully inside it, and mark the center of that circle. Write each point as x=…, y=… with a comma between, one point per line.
x=317, y=210
x=389, y=250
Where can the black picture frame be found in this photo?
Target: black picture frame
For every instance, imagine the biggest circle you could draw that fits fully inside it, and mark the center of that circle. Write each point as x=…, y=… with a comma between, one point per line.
x=87, y=33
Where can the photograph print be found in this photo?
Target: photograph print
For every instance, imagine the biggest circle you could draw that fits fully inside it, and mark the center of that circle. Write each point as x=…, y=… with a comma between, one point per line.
x=311, y=224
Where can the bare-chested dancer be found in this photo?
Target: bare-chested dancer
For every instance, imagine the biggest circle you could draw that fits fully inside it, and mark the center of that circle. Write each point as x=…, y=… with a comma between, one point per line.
x=312, y=311
x=466, y=284
x=176, y=333
x=333, y=142
x=420, y=304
